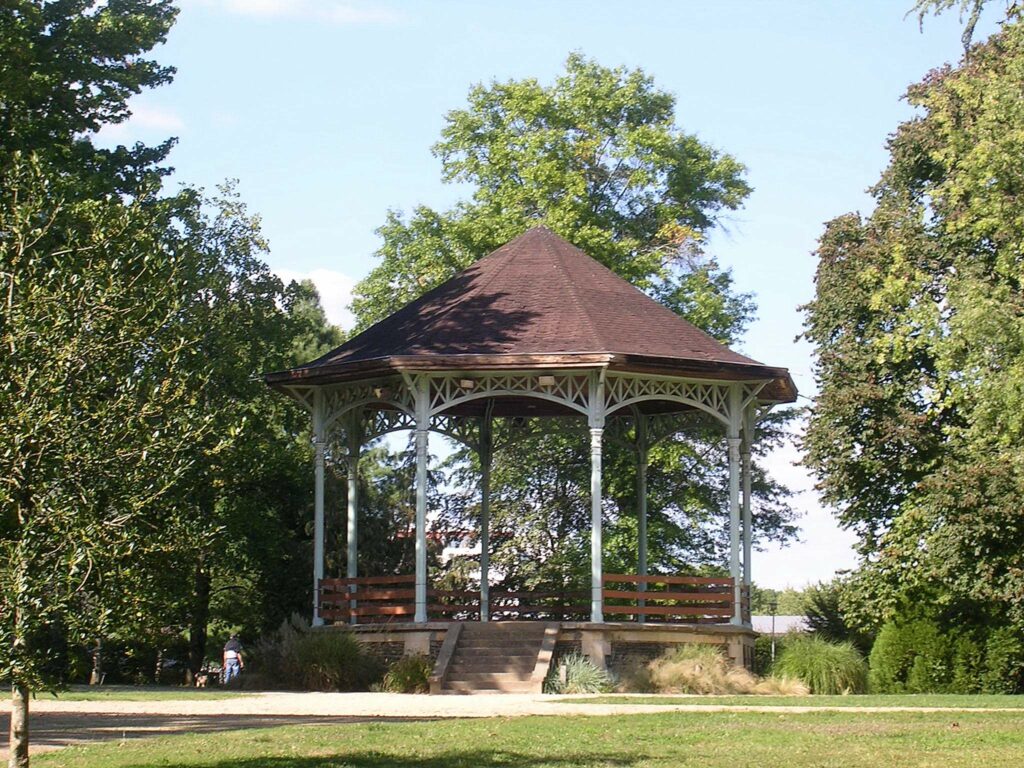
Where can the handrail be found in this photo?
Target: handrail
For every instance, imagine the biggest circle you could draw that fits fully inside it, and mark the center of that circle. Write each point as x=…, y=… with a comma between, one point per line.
x=624, y=596
x=705, y=599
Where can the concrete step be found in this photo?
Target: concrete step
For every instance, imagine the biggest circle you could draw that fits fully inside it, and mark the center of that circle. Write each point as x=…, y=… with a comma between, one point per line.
x=457, y=668
x=489, y=676
x=497, y=659
x=507, y=686
x=499, y=642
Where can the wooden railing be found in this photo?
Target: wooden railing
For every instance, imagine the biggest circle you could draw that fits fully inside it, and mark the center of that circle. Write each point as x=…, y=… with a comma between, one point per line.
x=667, y=598
x=688, y=599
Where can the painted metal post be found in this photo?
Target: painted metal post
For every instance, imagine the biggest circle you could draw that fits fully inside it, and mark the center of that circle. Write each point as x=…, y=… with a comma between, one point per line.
x=596, y=423
x=748, y=529
x=354, y=434
x=733, y=439
x=486, y=457
x=319, y=446
x=422, y=436
x=641, y=502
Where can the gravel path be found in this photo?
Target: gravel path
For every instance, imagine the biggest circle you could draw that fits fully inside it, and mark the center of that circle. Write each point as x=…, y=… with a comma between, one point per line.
x=58, y=723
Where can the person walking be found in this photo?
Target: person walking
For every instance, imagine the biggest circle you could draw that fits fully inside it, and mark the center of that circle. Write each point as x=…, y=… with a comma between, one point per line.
x=233, y=662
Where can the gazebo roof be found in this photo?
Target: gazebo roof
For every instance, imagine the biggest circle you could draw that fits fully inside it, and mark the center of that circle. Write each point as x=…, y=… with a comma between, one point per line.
x=537, y=302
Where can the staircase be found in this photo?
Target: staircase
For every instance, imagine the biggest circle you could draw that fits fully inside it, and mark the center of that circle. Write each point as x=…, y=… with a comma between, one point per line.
x=494, y=657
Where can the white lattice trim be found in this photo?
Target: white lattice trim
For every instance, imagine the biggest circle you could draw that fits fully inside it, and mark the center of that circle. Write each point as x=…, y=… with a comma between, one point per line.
x=623, y=391
x=343, y=398
x=569, y=390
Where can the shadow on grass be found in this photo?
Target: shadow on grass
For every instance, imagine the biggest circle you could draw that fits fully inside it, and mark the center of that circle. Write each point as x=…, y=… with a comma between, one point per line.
x=455, y=758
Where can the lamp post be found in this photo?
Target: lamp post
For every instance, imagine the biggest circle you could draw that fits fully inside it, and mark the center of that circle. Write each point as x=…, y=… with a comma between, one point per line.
x=773, y=606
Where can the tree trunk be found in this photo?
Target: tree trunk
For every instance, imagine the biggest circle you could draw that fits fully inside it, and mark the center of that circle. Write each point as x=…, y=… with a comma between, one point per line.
x=96, y=677
x=198, y=621
x=19, y=727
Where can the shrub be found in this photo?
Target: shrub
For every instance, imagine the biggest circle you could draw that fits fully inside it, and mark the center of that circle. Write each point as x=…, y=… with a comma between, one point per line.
x=824, y=667
x=575, y=673
x=1004, y=662
x=763, y=653
x=911, y=657
x=294, y=656
x=410, y=674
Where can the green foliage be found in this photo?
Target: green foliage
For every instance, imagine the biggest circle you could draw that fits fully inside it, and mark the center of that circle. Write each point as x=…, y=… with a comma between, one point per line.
x=410, y=674
x=924, y=655
x=918, y=324
x=576, y=673
x=296, y=657
x=826, y=668
x=788, y=601
x=67, y=69
x=827, y=615
x=597, y=157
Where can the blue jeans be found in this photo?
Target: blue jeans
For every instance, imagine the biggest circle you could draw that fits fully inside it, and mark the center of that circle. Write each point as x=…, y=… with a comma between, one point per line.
x=231, y=670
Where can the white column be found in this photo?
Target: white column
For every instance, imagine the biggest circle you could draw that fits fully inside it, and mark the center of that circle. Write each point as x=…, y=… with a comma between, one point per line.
x=422, y=433
x=641, y=503
x=596, y=422
x=486, y=457
x=354, y=445
x=733, y=440
x=319, y=446
x=748, y=530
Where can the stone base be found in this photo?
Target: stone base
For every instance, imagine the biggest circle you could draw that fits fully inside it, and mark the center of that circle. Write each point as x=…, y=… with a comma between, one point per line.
x=613, y=646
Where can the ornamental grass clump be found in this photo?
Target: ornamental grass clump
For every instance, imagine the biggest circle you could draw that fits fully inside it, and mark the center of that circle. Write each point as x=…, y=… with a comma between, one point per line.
x=410, y=674
x=826, y=668
x=297, y=657
x=575, y=673
x=704, y=669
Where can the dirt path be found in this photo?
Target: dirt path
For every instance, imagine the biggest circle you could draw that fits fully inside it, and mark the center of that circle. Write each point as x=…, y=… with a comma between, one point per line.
x=57, y=723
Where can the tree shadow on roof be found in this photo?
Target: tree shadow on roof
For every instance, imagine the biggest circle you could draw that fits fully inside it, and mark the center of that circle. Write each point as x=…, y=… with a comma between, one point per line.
x=444, y=321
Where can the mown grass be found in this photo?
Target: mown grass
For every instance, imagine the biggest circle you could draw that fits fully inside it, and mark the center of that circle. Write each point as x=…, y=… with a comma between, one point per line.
x=138, y=693
x=951, y=701
x=670, y=739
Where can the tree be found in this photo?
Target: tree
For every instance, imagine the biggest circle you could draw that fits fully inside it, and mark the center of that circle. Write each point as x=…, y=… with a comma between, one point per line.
x=596, y=157
x=68, y=67
x=918, y=324
x=95, y=411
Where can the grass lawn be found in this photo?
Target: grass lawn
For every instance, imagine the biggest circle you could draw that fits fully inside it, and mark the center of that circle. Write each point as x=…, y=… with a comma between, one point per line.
x=954, y=701
x=669, y=740
x=138, y=693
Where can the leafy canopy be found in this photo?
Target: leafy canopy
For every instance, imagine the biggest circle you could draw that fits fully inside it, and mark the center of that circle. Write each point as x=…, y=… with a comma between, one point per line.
x=918, y=322
x=598, y=158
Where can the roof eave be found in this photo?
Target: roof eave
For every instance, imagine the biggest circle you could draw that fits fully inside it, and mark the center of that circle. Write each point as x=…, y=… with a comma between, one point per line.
x=782, y=388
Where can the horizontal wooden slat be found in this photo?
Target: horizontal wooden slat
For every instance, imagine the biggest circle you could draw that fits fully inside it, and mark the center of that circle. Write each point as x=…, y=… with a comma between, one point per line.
x=683, y=597
x=372, y=594
x=666, y=610
x=538, y=595
x=636, y=579
x=541, y=609
x=365, y=580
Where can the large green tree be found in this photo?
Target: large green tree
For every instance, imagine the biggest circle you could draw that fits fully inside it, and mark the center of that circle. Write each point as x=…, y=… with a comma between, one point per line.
x=918, y=322
x=69, y=67
x=141, y=452
x=597, y=157
x=96, y=412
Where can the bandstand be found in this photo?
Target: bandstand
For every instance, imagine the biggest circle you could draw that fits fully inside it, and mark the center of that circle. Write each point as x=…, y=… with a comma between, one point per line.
x=535, y=329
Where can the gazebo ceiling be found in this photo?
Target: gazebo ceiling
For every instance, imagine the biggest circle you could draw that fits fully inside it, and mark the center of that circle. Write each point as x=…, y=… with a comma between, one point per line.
x=538, y=302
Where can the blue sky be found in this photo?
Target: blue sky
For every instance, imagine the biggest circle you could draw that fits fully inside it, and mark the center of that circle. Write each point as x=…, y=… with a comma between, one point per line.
x=325, y=111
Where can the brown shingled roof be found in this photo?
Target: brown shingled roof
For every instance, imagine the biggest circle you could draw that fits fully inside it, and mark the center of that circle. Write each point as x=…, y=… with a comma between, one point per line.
x=538, y=301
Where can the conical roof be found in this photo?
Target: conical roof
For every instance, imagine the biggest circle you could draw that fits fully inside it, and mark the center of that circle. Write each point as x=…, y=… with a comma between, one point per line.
x=536, y=302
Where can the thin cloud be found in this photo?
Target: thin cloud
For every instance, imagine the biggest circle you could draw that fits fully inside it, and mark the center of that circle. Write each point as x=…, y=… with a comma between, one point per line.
x=146, y=121
x=341, y=12
x=335, y=290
